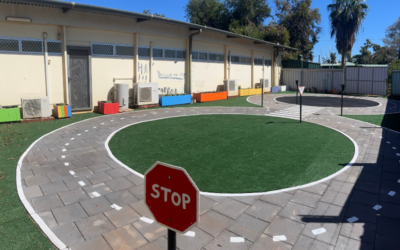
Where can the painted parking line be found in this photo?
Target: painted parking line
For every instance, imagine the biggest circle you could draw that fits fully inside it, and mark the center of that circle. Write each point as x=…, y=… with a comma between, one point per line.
x=318, y=231
x=147, y=220
x=237, y=239
x=279, y=238
x=190, y=234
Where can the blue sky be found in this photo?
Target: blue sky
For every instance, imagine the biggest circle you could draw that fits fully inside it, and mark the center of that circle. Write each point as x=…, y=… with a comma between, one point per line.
x=382, y=14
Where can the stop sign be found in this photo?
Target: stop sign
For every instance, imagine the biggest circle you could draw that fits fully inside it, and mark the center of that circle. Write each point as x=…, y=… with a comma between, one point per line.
x=172, y=197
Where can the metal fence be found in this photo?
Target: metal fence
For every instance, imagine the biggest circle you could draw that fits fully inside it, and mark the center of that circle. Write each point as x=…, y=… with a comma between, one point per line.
x=395, y=90
x=371, y=81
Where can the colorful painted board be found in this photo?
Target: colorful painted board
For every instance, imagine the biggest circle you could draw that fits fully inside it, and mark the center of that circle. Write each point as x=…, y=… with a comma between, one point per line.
x=62, y=111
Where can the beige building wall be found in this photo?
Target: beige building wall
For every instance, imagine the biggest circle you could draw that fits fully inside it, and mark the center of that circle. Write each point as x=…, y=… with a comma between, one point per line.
x=207, y=76
x=55, y=78
x=170, y=75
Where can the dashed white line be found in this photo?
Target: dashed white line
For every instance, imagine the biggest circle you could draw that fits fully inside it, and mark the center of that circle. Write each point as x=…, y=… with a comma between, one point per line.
x=318, y=231
x=352, y=219
x=147, y=220
x=279, y=238
x=377, y=207
x=237, y=239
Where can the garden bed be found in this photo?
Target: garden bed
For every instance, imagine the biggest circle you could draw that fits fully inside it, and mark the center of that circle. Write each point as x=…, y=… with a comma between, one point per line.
x=107, y=108
x=209, y=97
x=246, y=92
x=10, y=114
x=175, y=100
x=62, y=110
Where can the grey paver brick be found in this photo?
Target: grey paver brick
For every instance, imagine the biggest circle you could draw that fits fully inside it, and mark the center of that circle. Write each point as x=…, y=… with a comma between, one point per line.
x=74, y=183
x=280, y=199
x=306, y=243
x=250, y=200
x=119, y=172
x=93, y=226
x=73, y=196
x=365, y=198
x=223, y=241
x=101, y=189
x=79, y=172
x=126, y=237
x=206, y=204
x=330, y=236
x=151, y=231
x=68, y=234
x=43, y=170
x=99, y=167
x=363, y=212
x=359, y=231
x=283, y=226
x=141, y=209
x=69, y=213
x=48, y=218
x=296, y=212
x=98, y=243
x=342, y=187
x=122, y=217
x=326, y=212
x=98, y=178
x=121, y=198
x=248, y=227
x=32, y=192
x=306, y=198
x=317, y=188
x=36, y=180
x=388, y=227
x=119, y=184
x=335, y=198
x=345, y=243
x=214, y=223
x=187, y=242
x=383, y=242
x=54, y=187
x=46, y=202
x=96, y=205
x=265, y=242
x=60, y=176
x=160, y=244
x=138, y=192
x=263, y=211
x=231, y=208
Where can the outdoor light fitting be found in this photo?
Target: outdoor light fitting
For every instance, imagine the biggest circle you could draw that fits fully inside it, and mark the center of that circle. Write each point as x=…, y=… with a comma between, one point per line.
x=18, y=19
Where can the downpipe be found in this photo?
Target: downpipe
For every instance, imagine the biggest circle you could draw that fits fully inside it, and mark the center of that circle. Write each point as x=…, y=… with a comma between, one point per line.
x=190, y=57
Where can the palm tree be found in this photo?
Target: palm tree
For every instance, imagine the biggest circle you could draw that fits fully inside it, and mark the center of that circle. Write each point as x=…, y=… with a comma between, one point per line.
x=346, y=17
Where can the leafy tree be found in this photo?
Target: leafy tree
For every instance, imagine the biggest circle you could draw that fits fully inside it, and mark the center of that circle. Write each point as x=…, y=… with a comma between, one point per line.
x=346, y=17
x=247, y=12
x=302, y=23
x=148, y=12
x=249, y=30
x=330, y=60
x=212, y=13
x=276, y=33
x=392, y=37
x=378, y=55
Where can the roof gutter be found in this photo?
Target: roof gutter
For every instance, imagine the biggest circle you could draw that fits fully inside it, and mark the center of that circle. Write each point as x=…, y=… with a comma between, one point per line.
x=143, y=17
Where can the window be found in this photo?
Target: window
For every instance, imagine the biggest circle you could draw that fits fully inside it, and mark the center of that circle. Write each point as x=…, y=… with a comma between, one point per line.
x=122, y=50
x=32, y=46
x=212, y=57
x=144, y=52
x=202, y=56
x=157, y=52
x=169, y=53
x=54, y=47
x=181, y=54
x=103, y=49
x=258, y=61
x=268, y=62
x=220, y=58
x=248, y=60
x=235, y=59
x=9, y=45
x=195, y=55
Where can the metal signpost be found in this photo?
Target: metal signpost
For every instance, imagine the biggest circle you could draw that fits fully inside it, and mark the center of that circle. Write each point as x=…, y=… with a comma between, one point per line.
x=297, y=90
x=343, y=87
x=301, y=89
x=172, y=198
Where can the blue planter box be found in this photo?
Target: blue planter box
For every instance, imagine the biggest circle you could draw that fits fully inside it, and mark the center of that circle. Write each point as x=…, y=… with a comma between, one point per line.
x=175, y=100
x=275, y=89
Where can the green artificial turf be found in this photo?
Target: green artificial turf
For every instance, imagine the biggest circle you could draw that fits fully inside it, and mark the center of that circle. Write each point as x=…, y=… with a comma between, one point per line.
x=236, y=153
x=391, y=121
x=17, y=230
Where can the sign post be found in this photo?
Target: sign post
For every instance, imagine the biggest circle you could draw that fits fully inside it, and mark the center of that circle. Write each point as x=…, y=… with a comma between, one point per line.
x=341, y=109
x=301, y=89
x=172, y=198
x=297, y=90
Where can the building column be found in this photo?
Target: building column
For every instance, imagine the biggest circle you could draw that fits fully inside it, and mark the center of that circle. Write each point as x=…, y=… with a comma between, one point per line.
x=65, y=64
x=225, y=62
x=273, y=69
x=187, y=73
x=136, y=57
x=252, y=68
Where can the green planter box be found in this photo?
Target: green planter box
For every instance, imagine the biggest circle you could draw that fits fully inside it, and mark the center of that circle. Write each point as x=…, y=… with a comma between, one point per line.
x=10, y=114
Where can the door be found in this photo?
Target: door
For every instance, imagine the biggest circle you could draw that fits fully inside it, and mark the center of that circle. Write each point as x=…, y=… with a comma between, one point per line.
x=79, y=79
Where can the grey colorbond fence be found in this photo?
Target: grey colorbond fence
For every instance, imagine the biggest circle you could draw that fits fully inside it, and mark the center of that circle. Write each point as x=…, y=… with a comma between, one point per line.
x=371, y=81
x=395, y=82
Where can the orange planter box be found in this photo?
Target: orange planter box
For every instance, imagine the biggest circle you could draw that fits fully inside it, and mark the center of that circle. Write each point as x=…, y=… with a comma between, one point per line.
x=209, y=97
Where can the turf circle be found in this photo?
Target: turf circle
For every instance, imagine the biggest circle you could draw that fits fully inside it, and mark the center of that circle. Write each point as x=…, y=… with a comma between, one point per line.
x=236, y=153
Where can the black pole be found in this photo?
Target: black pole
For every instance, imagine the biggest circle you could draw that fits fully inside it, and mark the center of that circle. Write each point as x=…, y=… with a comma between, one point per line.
x=297, y=90
x=300, y=106
x=171, y=240
x=262, y=94
x=341, y=110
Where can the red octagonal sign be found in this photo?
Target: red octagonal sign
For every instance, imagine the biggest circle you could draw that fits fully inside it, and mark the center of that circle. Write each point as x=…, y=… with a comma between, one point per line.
x=172, y=197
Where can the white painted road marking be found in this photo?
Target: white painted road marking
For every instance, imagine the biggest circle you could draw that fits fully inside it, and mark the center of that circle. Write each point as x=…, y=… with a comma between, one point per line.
x=237, y=239
x=82, y=183
x=147, y=220
x=190, y=233
x=116, y=207
x=66, y=164
x=279, y=238
x=391, y=193
x=96, y=194
x=318, y=231
x=71, y=172
x=377, y=207
x=352, y=219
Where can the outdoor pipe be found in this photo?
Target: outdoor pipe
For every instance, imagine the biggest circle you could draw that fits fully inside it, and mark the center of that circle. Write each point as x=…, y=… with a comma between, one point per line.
x=190, y=57
x=46, y=66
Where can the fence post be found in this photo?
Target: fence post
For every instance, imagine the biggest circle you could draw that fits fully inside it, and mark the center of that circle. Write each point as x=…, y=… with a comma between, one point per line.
x=358, y=80
x=373, y=71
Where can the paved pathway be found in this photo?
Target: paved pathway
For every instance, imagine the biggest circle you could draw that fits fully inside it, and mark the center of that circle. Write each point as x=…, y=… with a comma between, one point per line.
x=83, y=199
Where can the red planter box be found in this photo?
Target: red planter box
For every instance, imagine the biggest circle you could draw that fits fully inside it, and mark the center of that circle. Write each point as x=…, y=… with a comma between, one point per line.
x=108, y=108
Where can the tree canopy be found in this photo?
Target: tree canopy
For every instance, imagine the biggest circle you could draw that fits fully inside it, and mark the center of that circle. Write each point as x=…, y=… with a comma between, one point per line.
x=346, y=17
x=392, y=37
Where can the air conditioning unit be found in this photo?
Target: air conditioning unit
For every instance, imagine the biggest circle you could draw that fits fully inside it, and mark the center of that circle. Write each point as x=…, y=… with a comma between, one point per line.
x=265, y=82
x=35, y=108
x=232, y=87
x=145, y=93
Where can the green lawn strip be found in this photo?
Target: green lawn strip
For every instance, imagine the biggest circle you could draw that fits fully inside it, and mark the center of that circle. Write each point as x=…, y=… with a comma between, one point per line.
x=390, y=121
x=15, y=138
x=236, y=153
